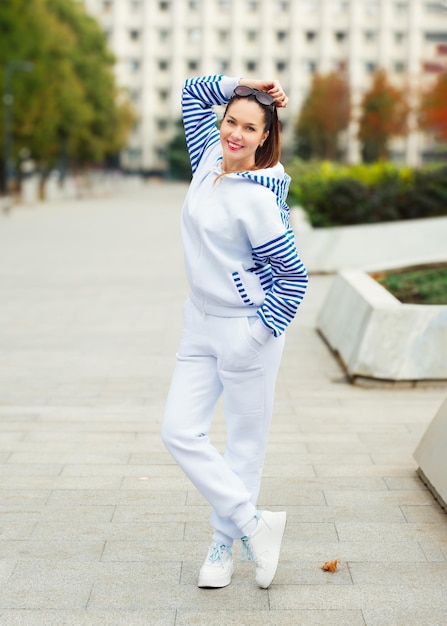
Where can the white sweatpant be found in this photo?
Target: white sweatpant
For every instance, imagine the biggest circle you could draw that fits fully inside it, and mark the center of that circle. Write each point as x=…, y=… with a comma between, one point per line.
x=218, y=355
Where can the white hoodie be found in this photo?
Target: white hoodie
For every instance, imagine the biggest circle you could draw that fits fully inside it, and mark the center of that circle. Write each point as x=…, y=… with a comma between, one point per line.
x=240, y=254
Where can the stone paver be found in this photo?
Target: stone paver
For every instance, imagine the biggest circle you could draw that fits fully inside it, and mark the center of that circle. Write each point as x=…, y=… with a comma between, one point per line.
x=98, y=526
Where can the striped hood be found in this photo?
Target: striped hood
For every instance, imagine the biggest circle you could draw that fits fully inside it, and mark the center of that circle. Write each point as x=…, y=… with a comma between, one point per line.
x=275, y=179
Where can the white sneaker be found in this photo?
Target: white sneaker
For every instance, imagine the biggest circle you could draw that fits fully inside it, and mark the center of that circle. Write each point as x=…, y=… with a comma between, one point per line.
x=264, y=545
x=218, y=567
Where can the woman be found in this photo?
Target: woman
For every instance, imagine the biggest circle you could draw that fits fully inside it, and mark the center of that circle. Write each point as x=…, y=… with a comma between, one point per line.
x=246, y=282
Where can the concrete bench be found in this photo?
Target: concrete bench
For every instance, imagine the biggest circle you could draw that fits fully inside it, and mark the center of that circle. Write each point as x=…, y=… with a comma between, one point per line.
x=377, y=337
x=431, y=456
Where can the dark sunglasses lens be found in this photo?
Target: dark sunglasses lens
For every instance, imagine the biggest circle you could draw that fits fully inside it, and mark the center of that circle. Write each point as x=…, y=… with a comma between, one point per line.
x=243, y=91
x=264, y=98
x=261, y=96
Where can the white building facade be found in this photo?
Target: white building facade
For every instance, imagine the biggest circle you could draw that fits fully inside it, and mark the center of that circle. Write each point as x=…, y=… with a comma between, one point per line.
x=159, y=43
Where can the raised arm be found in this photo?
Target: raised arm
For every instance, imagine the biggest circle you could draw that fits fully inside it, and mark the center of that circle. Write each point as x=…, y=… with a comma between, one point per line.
x=199, y=95
x=272, y=87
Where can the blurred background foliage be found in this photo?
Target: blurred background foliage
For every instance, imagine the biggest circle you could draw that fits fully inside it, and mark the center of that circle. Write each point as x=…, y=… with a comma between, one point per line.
x=325, y=114
x=335, y=194
x=68, y=108
x=338, y=195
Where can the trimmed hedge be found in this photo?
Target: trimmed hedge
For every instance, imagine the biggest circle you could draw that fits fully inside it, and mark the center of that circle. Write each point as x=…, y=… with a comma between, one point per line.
x=339, y=195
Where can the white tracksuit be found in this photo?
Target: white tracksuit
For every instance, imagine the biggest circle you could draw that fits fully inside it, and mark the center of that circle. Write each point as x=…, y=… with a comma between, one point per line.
x=246, y=282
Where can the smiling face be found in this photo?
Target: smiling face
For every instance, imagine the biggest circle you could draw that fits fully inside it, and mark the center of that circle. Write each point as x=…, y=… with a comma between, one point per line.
x=241, y=133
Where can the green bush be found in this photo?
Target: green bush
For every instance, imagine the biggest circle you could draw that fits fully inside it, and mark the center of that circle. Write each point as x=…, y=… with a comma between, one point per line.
x=335, y=195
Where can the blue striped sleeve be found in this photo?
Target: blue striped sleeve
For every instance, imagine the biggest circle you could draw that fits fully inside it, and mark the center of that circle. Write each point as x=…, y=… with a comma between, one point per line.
x=199, y=95
x=289, y=282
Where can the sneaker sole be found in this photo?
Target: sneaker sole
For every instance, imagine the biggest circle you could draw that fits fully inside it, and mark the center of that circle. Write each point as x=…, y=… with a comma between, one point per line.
x=215, y=583
x=278, y=533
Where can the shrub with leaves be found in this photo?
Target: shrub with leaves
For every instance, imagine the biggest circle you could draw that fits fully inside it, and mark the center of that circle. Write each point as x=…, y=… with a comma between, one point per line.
x=335, y=195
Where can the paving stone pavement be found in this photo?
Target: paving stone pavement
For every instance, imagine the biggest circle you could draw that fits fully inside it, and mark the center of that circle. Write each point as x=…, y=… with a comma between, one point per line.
x=99, y=527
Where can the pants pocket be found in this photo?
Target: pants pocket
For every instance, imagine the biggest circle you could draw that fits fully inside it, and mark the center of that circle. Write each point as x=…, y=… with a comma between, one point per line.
x=239, y=349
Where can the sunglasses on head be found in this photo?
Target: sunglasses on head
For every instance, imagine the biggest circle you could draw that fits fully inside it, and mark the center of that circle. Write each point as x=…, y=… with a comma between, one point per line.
x=261, y=96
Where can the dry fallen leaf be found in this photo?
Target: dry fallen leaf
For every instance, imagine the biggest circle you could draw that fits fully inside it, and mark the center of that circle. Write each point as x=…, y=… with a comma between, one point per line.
x=330, y=566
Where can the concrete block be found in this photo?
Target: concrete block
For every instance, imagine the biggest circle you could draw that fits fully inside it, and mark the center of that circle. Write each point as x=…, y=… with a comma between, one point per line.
x=378, y=337
x=431, y=458
x=371, y=246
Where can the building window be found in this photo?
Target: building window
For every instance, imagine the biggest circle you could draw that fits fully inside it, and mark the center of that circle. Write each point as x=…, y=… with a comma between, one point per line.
x=310, y=6
x=371, y=7
x=163, y=5
x=339, y=65
x=400, y=7
x=223, y=36
x=194, y=5
x=370, y=67
x=224, y=5
x=399, y=38
x=251, y=35
x=436, y=7
x=282, y=6
x=339, y=6
x=161, y=153
x=340, y=36
x=437, y=37
x=134, y=65
x=399, y=67
x=194, y=35
x=193, y=65
x=107, y=6
x=281, y=66
x=135, y=6
x=163, y=65
x=370, y=35
x=281, y=35
x=309, y=66
x=134, y=34
x=163, y=94
x=252, y=6
x=134, y=154
x=251, y=66
x=163, y=34
x=222, y=67
x=310, y=35
x=134, y=94
x=162, y=124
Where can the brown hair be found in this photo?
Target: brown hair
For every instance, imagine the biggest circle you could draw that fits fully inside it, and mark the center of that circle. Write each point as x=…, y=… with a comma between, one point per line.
x=269, y=153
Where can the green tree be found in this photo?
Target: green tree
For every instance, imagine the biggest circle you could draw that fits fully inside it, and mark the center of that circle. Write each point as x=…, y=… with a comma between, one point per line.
x=69, y=101
x=110, y=115
x=179, y=165
x=384, y=115
x=325, y=113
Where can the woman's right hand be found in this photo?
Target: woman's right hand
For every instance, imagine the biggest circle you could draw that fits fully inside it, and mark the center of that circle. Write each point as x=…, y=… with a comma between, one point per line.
x=272, y=87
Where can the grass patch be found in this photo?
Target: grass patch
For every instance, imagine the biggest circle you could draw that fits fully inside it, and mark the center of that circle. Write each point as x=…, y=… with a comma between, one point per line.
x=418, y=286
